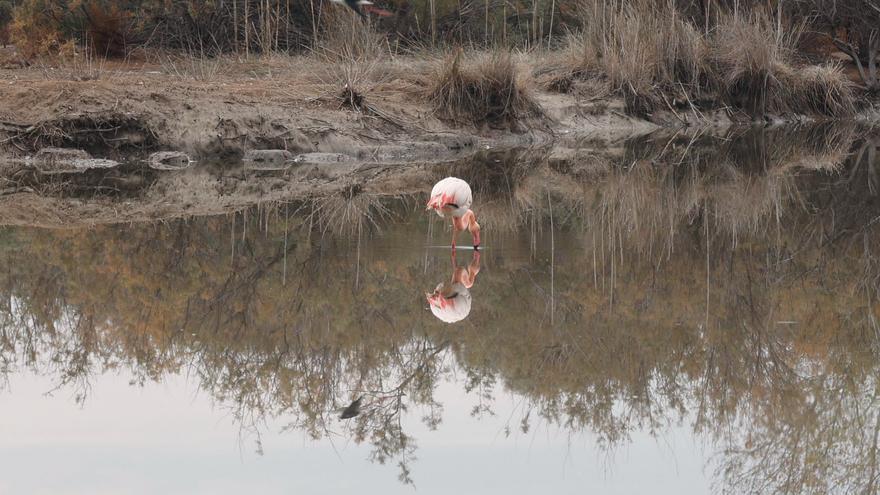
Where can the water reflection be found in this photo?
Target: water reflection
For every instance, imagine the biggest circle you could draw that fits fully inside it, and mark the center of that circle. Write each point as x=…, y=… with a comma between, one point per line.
x=451, y=302
x=730, y=285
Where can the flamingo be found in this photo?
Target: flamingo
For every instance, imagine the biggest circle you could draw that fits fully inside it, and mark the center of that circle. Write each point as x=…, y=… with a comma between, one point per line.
x=451, y=197
x=359, y=6
x=451, y=302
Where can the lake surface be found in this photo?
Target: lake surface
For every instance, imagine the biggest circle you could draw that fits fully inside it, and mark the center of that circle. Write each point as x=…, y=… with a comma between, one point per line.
x=694, y=315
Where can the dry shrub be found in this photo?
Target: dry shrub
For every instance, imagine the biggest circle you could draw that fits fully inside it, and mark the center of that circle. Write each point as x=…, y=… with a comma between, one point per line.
x=34, y=30
x=641, y=48
x=656, y=58
x=106, y=28
x=754, y=60
x=195, y=66
x=353, y=54
x=751, y=57
x=350, y=81
x=486, y=88
x=824, y=90
x=347, y=38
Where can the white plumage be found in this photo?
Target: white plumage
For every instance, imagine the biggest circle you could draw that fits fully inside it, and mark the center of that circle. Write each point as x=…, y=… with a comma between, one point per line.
x=452, y=196
x=453, y=307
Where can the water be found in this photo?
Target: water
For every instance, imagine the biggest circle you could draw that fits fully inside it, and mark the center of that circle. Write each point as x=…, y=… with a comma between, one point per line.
x=674, y=316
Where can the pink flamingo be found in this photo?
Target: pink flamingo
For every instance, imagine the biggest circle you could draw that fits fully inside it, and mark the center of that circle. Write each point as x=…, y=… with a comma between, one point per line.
x=451, y=302
x=451, y=197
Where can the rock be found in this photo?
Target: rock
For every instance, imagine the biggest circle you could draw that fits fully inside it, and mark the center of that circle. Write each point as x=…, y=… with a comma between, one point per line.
x=267, y=159
x=56, y=154
x=67, y=160
x=74, y=166
x=322, y=158
x=169, y=160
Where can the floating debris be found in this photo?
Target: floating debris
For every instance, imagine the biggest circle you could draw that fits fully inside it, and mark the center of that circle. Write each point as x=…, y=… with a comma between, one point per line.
x=66, y=161
x=169, y=160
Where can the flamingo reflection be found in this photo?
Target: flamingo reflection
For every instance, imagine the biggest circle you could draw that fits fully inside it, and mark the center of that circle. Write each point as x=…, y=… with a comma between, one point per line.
x=451, y=302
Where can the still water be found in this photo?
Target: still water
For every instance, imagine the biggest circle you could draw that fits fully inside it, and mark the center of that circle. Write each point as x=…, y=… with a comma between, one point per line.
x=689, y=315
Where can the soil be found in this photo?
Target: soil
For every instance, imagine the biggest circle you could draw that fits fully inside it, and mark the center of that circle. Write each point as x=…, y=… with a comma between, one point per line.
x=218, y=114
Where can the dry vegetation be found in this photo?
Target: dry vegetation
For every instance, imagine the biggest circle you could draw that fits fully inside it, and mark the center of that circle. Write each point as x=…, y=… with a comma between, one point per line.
x=656, y=59
x=665, y=60
x=634, y=345
x=481, y=88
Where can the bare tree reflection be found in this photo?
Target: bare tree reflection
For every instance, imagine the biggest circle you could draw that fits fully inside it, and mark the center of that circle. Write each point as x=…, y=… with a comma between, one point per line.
x=730, y=283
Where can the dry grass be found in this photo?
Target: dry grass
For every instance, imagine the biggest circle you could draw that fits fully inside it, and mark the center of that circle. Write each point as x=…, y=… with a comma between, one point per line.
x=754, y=61
x=751, y=57
x=640, y=48
x=353, y=56
x=485, y=88
x=824, y=90
x=195, y=66
x=346, y=38
x=656, y=59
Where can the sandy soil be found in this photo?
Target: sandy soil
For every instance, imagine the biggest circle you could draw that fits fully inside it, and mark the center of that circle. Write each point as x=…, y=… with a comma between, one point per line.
x=216, y=111
x=288, y=103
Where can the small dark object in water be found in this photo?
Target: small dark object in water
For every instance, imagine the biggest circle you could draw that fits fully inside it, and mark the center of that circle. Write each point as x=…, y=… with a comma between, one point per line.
x=352, y=410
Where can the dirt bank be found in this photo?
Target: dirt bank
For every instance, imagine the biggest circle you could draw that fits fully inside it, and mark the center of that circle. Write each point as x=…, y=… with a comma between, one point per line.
x=217, y=115
x=293, y=104
x=385, y=143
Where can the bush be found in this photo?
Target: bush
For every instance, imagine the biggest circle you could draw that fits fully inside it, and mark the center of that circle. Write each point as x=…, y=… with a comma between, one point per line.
x=650, y=55
x=485, y=89
x=642, y=49
x=36, y=28
x=754, y=61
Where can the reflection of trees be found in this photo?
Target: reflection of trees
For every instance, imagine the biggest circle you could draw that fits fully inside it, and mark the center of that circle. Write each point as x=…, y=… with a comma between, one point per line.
x=736, y=289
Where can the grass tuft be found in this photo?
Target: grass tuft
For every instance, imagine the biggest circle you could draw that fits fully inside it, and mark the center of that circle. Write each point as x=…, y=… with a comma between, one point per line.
x=656, y=59
x=642, y=49
x=487, y=88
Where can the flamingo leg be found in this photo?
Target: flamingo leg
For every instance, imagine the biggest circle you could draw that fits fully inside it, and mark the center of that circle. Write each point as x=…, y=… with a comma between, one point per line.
x=474, y=228
x=456, y=228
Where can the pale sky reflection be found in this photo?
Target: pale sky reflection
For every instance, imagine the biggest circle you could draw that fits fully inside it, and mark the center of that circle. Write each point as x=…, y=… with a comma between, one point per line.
x=168, y=438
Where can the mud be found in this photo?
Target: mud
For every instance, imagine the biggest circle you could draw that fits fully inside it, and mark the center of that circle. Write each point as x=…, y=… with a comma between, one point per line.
x=139, y=145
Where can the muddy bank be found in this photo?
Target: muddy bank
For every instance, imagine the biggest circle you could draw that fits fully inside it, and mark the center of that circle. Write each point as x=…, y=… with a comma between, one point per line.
x=136, y=143
x=165, y=186
x=145, y=109
x=139, y=145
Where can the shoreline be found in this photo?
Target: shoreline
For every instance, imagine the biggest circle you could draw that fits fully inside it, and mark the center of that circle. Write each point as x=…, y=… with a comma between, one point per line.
x=393, y=145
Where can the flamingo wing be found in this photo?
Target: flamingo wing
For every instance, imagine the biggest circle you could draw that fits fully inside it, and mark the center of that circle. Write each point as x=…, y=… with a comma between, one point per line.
x=451, y=192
